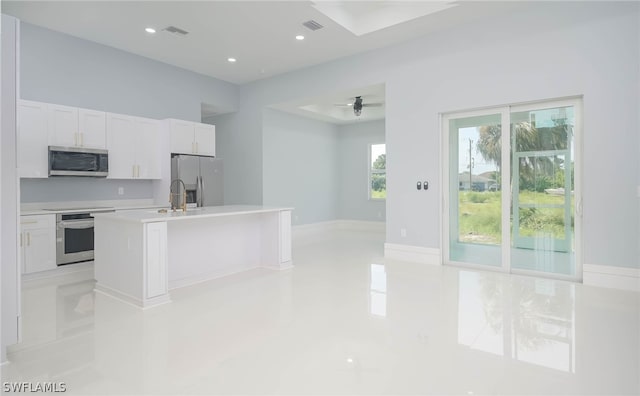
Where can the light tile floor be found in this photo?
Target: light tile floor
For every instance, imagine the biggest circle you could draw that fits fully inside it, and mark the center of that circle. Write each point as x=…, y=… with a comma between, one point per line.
x=343, y=321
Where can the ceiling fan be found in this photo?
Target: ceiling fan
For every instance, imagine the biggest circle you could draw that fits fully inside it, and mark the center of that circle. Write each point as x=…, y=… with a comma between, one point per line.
x=358, y=104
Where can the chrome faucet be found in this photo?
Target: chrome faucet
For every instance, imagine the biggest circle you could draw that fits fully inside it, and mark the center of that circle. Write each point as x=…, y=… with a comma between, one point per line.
x=176, y=196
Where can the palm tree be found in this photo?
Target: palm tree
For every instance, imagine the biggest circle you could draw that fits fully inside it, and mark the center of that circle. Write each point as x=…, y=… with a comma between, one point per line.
x=527, y=138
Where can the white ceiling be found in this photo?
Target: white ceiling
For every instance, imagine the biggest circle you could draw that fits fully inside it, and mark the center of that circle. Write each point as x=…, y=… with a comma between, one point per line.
x=335, y=108
x=259, y=34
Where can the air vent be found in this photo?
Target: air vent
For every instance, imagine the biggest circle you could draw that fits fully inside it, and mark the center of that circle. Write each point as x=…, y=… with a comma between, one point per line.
x=312, y=25
x=176, y=30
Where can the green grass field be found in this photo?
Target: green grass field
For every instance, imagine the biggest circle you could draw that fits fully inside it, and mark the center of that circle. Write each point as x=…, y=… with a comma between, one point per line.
x=479, y=214
x=382, y=194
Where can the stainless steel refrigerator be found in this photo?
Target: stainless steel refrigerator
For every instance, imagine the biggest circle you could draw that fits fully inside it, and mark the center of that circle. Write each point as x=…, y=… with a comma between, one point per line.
x=203, y=178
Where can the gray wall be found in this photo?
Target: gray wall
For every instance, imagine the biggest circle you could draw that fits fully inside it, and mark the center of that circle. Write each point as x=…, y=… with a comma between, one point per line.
x=60, y=189
x=239, y=143
x=242, y=155
x=300, y=166
x=567, y=49
x=354, y=141
x=317, y=167
x=58, y=68
x=62, y=69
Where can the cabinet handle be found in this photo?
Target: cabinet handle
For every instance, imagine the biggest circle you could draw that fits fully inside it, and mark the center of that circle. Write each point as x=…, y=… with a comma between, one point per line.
x=29, y=222
x=193, y=147
x=133, y=170
x=81, y=139
x=28, y=239
x=197, y=148
x=138, y=170
x=20, y=239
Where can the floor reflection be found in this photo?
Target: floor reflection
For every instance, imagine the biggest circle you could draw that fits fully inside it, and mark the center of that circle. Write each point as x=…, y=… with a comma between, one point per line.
x=529, y=320
x=317, y=329
x=74, y=308
x=56, y=308
x=378, y=290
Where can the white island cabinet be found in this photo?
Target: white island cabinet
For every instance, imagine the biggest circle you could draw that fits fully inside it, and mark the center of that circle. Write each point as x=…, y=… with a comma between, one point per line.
x=140, y=255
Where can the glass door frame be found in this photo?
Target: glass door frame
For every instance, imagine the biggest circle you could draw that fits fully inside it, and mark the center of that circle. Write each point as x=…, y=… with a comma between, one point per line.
x=505, y=112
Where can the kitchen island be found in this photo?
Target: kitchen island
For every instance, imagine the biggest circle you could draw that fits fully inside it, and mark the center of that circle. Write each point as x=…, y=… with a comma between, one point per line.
x=140, y=255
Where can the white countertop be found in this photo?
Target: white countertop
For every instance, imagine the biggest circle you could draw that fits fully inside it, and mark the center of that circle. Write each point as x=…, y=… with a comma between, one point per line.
x=149, y=216
x=68, y=207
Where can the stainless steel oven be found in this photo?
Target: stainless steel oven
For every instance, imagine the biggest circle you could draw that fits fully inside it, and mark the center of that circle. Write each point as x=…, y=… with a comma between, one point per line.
x=74, y=236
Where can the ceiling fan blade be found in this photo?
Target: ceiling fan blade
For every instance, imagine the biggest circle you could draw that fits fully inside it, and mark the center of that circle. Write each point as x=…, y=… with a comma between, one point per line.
x=373, y=104
x=341, y=105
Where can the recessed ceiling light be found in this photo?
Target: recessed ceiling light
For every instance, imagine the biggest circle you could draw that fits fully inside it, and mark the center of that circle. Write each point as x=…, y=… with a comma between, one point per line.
x=231, y=60
x=300, y=37
x=150, y=30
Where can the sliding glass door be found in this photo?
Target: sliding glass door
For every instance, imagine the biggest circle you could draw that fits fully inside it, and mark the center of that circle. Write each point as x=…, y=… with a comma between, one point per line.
x=475, y=229
x=513, y=196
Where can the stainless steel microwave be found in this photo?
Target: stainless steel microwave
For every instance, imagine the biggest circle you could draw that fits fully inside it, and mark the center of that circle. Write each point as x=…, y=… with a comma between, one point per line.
x=78, y=161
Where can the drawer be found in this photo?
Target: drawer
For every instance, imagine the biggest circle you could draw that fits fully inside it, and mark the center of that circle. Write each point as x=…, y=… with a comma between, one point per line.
x=37, y=221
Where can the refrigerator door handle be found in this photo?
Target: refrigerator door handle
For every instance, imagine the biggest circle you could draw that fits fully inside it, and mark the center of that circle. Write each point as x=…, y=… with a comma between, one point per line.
x=198, y=191
x=201, y=191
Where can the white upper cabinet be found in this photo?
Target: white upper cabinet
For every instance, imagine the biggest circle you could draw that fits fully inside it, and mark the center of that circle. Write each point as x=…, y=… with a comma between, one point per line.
x=147, y=143
x=92, y=128
x=192, y=138
x=43, y=124
x=205, y=139
x=33, y=139
x=120, y=145
x=63, y=126
x=73, y=127
x=181, y=135
x=134, y=147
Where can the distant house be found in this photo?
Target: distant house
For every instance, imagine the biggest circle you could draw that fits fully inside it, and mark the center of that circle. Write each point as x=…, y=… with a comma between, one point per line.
x=478, y=182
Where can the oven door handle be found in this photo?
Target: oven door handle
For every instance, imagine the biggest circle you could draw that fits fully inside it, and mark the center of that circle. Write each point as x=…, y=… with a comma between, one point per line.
x=76, y=225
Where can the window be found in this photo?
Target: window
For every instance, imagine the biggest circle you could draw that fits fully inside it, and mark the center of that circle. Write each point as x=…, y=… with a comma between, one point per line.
x=378, y=172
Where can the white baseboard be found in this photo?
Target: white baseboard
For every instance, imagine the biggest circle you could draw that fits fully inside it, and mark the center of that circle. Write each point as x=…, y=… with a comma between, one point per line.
x=361, y=225
x=200, y=278
x=313, y=228
x=611, y=277
x=416, y=254
x=334, y=225
x=131, y=300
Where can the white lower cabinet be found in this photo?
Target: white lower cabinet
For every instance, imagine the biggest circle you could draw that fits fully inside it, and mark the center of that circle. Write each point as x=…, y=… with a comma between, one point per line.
x=38, y=243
